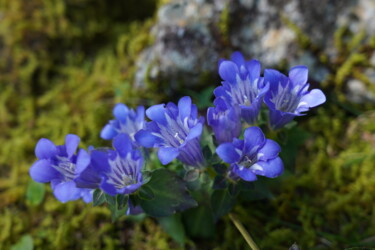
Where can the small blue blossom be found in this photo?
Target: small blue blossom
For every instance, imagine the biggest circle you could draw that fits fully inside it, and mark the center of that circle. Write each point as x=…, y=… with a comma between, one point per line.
x=225, y=120
x=127, y=122
x=242, y=86
x=289, y=96
x=59, y=166
x=115, y=171
x=255, y=155
x=175, y=131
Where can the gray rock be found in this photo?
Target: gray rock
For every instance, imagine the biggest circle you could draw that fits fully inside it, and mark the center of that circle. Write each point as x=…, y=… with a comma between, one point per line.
x=189, y=42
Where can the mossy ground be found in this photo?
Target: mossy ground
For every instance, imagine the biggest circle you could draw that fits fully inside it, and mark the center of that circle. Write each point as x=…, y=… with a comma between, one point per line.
x=64, y=64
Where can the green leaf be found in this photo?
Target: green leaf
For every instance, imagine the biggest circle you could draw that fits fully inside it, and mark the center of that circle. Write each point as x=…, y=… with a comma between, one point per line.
x=98, y=197
x=25, y=243
x=146, y=175
x=111, y=200
x=35, y=192
x=170, y=194
x=118, y=205
x=199, y=222
x=146, y=193
x=122, y=200
x=221, y=202
x=207, y=154
x=173, y=226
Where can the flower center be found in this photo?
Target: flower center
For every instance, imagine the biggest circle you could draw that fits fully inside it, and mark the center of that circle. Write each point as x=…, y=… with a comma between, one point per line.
x=123, y=172
x=65, y=167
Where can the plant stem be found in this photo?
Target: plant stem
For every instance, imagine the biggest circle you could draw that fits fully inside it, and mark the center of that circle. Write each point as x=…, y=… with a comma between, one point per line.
x=243, y=232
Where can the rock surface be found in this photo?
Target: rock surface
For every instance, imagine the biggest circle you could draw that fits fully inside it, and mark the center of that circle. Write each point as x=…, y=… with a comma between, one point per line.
x=191, y=36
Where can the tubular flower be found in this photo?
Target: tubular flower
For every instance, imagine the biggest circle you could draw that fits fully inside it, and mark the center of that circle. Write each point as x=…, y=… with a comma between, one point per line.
x=59, y=166
x=114, y=171
x=175, y=131
x=289, y=96
x=127, y=122
x=225, y=121
x=255, y=155
x=242, y=86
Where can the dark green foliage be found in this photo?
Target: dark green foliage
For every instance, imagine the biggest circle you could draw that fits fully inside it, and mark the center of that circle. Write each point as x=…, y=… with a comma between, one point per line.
x=165, y=194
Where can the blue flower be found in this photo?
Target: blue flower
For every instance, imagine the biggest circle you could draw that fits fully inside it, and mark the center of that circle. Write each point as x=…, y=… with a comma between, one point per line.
x=175, y=131
x=127, y=122
x=242, y=86
x=225, y=120
x=289, y=96
x=59, y=166
x=255, y=155
x=115, y=171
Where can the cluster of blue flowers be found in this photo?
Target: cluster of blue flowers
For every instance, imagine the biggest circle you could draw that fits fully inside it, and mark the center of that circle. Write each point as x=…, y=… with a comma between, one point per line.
x=176, y=130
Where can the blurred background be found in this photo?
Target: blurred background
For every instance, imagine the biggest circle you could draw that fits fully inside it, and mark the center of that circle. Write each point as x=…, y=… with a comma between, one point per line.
x=65, y=63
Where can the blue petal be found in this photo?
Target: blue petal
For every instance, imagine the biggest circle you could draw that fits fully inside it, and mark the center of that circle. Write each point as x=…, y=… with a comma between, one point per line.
x=194, y=132
x=228, y=153
x=131, y=188
x=140, y=114
x=244, y=173
x=71, y=144
x=298, y=75
x=87, y=195
x=313, y=99
x=89, y=178
x=83, y=160
x=157, y=113
x=108, y=188
x=228, y=71
x=146, y=138
x=122, y=144
x=66, y=191
x=167, y=154
x=269, y=151
x=254, y=139
x=184, y=107
x=271, y=169
x=99, y=161
x=45, y=149
x=42, y=171
x=108, y=132
x=254, y=68
x=120, y=111
x=238, y=58
x=274, y=78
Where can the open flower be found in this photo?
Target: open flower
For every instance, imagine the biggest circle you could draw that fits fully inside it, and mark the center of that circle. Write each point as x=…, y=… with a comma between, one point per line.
x=242, y=86
x=289, y=96
x=115, y=171
x=59, y=166
x=255, y=155
x=225, y=120
x=127, y=122
x=175, y=131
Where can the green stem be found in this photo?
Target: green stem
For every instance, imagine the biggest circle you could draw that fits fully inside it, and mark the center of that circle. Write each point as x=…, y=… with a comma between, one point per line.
x=243, y=232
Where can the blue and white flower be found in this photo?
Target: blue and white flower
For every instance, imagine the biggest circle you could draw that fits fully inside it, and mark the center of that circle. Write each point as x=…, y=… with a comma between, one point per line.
x=115, y=171
x=255, y=155
x=242, y=86
x=127, y=122
x=290, y=96
x=175, y=131
x=60, y=166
